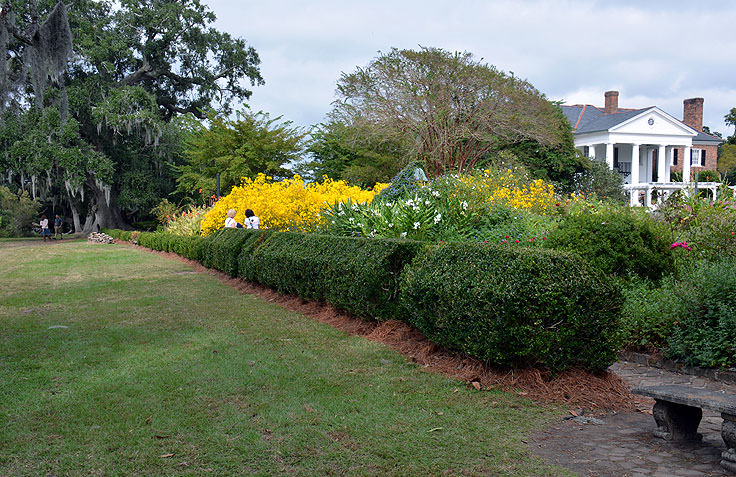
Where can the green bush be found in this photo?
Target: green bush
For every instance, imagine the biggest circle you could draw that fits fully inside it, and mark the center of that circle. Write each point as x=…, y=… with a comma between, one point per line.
x=616, y=241
x=708, y=176
x=649, y=313
x=514, y=306
x=222, y=248
x=705, y=331
x=355, y=274
x=17, y=213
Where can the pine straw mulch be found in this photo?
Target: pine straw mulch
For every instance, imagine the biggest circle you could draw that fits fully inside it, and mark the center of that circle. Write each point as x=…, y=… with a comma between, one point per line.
x=576, y=388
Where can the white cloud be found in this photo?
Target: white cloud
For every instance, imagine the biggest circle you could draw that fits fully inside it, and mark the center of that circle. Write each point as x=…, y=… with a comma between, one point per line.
x=655, y=53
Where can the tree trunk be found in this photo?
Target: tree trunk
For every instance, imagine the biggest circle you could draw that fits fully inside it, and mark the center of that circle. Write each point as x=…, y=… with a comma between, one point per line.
x=102, y=214
x=75, y=218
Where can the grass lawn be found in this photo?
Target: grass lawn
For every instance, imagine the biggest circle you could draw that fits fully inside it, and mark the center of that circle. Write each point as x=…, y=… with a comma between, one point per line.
x=117, y=361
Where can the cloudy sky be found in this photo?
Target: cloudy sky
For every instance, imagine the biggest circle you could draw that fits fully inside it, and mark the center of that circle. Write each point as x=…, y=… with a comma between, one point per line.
x=657, y=52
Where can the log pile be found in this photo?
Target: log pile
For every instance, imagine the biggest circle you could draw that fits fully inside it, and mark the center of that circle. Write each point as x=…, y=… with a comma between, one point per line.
x=98, y=237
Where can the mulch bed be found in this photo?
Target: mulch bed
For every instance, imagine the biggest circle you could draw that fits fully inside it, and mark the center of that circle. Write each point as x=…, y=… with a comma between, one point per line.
x=577, y=388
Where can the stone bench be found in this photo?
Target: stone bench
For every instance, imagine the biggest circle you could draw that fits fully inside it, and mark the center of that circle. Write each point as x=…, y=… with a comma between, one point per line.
x=679, y=409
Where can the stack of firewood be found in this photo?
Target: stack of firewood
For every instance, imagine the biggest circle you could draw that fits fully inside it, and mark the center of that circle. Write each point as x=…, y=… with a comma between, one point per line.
x=98, y=237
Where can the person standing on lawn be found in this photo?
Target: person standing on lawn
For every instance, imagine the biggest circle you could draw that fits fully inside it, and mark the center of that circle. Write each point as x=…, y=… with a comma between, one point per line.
x=44, y=223
x=57, y=228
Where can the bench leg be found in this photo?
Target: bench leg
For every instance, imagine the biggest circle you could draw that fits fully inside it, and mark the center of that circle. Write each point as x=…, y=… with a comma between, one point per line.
x=677, y=422
x=728, y=432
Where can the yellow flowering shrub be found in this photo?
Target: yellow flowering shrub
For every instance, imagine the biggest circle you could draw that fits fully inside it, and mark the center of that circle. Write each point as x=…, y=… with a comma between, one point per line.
x=509, y=187
x=290, y=204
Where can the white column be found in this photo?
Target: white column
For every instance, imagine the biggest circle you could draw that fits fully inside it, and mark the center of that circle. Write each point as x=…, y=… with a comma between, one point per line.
x=662, y=164
x=591, y=152
x=668, y=164
x=648, y=197
x=635, y=163
x=609, y=155
x=634, y=198
x=686, y=165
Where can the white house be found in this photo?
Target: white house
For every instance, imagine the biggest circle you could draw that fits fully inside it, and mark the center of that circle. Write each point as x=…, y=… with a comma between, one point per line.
x=645, y=145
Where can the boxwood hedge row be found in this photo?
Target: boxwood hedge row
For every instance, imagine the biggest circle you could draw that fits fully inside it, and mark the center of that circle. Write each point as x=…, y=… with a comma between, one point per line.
x=514, y=306
x=505, y=305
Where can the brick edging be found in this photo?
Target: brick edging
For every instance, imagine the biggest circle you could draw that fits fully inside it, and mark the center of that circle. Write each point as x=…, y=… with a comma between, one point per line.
x=657, y=361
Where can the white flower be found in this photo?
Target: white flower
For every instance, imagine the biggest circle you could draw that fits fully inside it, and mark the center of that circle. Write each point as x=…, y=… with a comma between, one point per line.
x=437, y=218
x=464, y=205
x=435, y=193
x=390, y=225
x=416, y=225
x=410, y=202
x=426, y=202
x=351, y=220
x=402, y=235
x=354, y=207
x=415, y=208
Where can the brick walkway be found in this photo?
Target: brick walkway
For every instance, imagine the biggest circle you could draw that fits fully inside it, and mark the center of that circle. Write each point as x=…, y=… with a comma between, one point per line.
x=624, y=446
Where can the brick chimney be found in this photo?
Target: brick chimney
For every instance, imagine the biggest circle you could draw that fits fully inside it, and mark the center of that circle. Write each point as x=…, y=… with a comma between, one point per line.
x=692, y=114
x=611, y=102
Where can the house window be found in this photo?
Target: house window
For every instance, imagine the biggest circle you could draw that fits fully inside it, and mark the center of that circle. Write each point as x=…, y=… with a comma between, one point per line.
x=586, y=151
x=695, y=157
x=702, y=157
x=674, y=156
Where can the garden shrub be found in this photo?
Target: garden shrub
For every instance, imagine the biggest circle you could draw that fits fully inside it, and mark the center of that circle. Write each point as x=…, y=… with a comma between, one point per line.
x=616, y=241
x=289, y=204
x=649, y=313
x=246, y=263
x=705, y=331
x=18, y=213
x=221, y=249
x=514, y=306
x=355, y=274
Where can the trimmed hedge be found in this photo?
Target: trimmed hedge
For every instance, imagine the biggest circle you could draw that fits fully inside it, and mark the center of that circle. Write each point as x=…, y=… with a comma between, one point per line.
x=360, y=275
x=506, y=306
x=514, y=306
x=618, y=242
x=222, y=248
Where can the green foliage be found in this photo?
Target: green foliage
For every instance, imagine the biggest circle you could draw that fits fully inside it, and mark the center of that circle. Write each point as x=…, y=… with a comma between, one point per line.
x=346, y=152
x=705, y=332
x=708, y=227
x=514, y=307
x=165, y=210
x=727, y=160
x=649, y=312
x=244, y=147
x=221, y=249
x=560, y=163
x=708, y=176
x=451, y=108
x=356, y=274
x=451, y=208
x=616, y=241
x=17, y=213
x=598, y=179
x=136, y=66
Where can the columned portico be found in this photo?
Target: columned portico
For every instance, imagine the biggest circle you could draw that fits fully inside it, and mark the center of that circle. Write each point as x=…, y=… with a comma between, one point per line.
x=643, y=145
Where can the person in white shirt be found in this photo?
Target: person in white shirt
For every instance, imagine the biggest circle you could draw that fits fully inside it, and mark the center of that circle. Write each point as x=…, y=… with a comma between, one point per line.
x=251, y=220
x=230, y=222
x=45, y=228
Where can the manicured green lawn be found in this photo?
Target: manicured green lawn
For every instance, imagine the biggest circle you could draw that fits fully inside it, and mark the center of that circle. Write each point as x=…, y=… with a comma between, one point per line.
x=159, y=370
